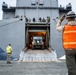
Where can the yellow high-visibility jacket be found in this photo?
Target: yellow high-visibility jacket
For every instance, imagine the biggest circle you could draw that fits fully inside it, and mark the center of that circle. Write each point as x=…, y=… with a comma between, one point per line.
x=69, y=36
x=9, y=49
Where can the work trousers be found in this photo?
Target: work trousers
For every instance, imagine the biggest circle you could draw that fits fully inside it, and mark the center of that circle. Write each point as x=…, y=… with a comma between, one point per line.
x=71, y=61
x=8, y=58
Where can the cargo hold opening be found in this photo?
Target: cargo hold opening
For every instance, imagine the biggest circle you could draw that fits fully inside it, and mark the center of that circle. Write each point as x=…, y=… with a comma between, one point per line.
x=32, y=34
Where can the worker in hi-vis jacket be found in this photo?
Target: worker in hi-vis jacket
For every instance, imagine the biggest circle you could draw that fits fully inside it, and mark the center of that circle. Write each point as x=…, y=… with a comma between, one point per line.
x=9, y=52
x=69, y=40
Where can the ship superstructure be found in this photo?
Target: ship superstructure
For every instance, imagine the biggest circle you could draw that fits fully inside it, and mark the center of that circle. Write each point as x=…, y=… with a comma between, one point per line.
x=32, y=18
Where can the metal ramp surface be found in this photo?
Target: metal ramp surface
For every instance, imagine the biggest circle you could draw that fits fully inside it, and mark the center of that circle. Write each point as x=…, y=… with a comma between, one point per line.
x=38, y=56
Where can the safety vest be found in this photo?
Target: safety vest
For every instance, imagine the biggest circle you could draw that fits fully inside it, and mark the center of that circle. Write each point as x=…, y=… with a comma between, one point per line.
x=9, y=49
x=69, y=36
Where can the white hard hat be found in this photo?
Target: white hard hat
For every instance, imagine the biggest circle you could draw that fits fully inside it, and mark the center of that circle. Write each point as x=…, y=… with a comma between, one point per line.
x=70, y=14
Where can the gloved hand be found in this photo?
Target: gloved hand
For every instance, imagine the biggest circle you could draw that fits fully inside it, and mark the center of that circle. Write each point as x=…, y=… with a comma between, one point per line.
x=62, y=18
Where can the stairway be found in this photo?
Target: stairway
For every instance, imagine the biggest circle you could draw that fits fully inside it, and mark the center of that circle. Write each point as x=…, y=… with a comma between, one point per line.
x=38, y=56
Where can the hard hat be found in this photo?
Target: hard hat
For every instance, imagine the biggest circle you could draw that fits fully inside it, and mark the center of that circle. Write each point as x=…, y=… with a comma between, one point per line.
x=70, y=14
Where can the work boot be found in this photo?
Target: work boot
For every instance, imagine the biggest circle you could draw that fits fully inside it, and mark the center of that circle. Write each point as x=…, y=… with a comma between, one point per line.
x=9, y=63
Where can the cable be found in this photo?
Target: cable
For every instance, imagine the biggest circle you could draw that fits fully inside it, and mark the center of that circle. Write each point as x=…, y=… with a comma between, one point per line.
x=9, y=23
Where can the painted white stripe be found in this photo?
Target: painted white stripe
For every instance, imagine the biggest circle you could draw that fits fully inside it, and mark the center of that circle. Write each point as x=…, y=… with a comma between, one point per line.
x=70, y=43
x=69, y=31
